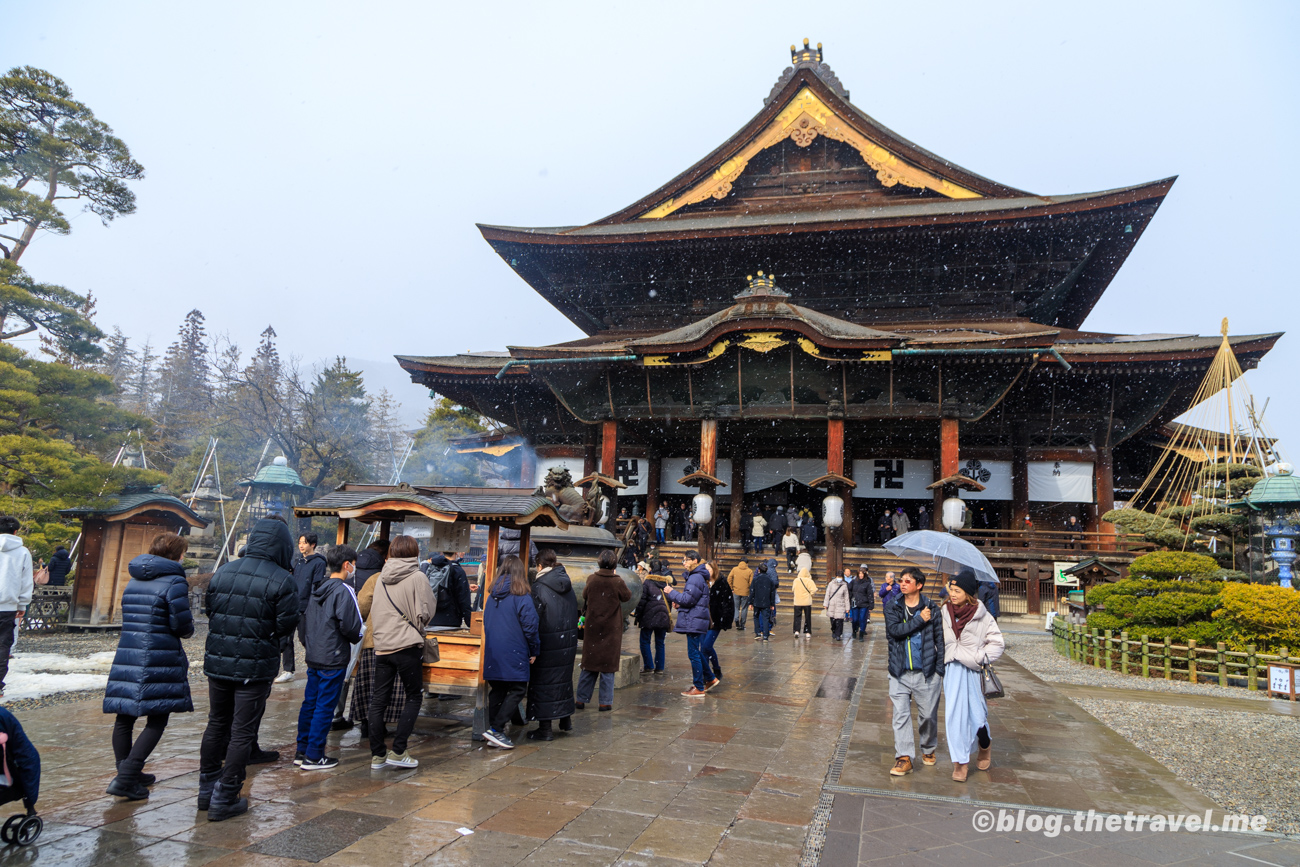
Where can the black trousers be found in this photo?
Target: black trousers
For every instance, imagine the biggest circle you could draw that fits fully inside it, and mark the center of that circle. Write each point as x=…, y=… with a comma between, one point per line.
x=407, y=665
x=503, y=700
x=234, y=715
x=837, y=627
x=123, y=728
x=7, y=619
x=287, y=662
x=804, y=612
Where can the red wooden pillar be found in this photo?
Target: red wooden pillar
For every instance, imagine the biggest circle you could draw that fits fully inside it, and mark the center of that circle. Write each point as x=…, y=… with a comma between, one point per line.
x=1032, y=603
x=835, y=464
x=708, y=464
x=342, y=537
x=948, y=447
x=609, y=467
x=1103, y=474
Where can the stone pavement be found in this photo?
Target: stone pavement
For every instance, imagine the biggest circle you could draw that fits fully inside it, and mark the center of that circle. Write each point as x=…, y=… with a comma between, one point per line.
x=785, y=762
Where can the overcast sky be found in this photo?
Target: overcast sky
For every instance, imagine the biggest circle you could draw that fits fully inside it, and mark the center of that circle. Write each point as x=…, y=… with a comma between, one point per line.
x=319, y=167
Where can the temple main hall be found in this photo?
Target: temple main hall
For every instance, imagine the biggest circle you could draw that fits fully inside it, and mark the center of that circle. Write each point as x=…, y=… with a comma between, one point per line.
x=821, y=307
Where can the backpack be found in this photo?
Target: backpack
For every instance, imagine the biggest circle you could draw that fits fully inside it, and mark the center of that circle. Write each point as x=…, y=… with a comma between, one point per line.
x=438, y=576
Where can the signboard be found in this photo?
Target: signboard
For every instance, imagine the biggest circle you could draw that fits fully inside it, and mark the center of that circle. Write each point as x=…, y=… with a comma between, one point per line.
x=1060, y=482
x=995, y=476
x=893, y=479
x=1060, y=578
x=1282, y=680
x=438, y=535
x=418, y=528
x=672, y=469
x=633, y=472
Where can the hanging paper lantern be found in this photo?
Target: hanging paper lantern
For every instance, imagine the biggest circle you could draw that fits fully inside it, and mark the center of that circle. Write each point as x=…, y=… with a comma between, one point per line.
x=702, y=512
x=832, y=511
x=954, y=513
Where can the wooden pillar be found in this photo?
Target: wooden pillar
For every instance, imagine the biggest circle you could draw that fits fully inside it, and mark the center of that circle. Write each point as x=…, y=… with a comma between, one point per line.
x=709, y=464
x=835, y=464
x=490, y=560
x=1032, y=603
x=589, y=450
x=936, y=511
x=1019, y=478
x=1103, y=475
x=654, y=470
x=385, y=530
x=609, y=467
x=737, y=496
x=342, y=537
x=525, y=539
x=948, y=464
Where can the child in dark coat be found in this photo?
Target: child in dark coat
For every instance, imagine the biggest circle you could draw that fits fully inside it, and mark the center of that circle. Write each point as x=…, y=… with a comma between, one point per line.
x=652, y=615
x=333, y=625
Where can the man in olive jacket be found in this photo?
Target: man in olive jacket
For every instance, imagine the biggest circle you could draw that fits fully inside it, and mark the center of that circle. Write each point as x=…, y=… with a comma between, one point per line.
x=251, y=603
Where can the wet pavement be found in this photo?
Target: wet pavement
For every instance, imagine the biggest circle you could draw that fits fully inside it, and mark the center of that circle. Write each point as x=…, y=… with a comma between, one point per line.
x=786, y=762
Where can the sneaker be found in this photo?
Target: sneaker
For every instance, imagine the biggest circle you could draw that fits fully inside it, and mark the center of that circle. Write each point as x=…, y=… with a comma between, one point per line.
x=400, y=760
x=497, y=739
x=695, y=693
x=758, y=637
x=324, y=763
x=901, y=767
x=283, y=677
x=299, y=757
x=377, y=762
x=929, y=759
x=711, y=684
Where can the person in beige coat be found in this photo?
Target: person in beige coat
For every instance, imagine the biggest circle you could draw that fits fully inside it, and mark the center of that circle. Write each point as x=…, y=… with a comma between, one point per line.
x=836, y=604
x=403, y=606
x=739, y=578
x=804, y=587
x=971, y=637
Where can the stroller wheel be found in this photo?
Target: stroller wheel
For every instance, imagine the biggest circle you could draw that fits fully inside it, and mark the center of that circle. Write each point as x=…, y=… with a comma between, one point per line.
x=10, y=829
x=29, y=829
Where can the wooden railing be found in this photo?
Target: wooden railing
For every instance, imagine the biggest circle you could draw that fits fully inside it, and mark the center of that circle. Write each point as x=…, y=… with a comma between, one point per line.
x=1057, y=540
x=1161, y=659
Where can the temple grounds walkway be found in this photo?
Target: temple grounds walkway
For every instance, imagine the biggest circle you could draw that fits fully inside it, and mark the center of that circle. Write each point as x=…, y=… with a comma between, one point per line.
x=784, y=763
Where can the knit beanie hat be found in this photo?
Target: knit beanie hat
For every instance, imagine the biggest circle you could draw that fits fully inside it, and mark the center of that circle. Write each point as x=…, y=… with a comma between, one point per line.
x=965, y=579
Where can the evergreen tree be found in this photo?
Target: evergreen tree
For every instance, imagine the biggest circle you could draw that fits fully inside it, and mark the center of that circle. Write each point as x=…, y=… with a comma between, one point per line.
x=185, y=381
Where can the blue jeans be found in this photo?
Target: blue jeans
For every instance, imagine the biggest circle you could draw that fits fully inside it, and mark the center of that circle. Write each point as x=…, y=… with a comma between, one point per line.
x=653, y=662
x=758, y=544
x=742, y=606
x=659, y=535
x=317, y=710
x=710, y=655
x=859, y=616
x=696, y=655
x=587, y=683
x=763, y=621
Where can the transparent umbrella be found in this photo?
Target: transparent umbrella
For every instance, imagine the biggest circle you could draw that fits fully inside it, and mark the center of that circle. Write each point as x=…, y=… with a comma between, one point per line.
x=942, y=552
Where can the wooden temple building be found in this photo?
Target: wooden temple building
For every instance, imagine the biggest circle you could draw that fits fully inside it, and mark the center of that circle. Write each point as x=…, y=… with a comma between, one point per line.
x=821, y=306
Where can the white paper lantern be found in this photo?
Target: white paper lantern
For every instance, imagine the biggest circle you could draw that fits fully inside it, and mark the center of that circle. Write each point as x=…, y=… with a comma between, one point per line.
x=832, y=511
x=702, y=512
x=954, y=513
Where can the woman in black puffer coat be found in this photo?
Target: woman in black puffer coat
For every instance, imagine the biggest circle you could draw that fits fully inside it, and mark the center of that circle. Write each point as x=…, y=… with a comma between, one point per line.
x=150, y=673
x=550, y=679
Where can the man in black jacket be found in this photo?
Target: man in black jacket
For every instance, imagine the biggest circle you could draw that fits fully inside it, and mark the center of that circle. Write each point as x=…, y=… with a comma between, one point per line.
x=762, y=598
x=450, y=587
x=308, y=571
x=251, y=604
x=915, y=632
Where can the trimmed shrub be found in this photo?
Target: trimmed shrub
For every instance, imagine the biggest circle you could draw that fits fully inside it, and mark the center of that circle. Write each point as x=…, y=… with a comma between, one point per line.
x=1222, y=523
x=1261, y=615
x=1101, y=620
x=1173, y=609
x=1230, y=575
x=1173, y=564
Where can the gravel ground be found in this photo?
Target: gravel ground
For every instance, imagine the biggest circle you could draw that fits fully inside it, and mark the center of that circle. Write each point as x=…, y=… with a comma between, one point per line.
x=1035, y=652
x=1244, y=761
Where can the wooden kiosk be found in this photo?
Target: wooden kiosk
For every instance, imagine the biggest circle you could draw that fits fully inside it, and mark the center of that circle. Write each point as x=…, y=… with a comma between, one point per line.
x=460, y=669
x=111, y=536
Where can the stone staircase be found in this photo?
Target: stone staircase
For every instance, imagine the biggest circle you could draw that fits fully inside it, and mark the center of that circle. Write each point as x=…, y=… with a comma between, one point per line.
x=878, y=561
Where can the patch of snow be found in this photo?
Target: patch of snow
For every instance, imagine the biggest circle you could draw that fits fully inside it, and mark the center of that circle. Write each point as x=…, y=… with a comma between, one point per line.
x=32, y=675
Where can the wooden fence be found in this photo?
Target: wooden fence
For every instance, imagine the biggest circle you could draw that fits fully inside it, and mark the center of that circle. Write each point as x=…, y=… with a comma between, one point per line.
x=1141, y=656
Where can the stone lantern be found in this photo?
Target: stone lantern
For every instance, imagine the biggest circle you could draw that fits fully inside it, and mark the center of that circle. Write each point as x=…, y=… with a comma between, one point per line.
x=1275, y=503
x=204, y=543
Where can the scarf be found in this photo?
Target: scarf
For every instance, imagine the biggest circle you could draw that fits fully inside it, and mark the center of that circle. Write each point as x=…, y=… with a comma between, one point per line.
x=961, y=616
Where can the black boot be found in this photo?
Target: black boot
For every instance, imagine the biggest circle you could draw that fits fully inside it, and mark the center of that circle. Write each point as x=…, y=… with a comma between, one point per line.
x=259, y=756
x=206, y=782
x=566, y=723
x=127, y=782
x=145, y=779
x=542, y=732
x=225, y=803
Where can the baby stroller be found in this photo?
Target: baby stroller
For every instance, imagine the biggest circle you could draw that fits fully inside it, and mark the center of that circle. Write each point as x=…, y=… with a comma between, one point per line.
x=20, y=779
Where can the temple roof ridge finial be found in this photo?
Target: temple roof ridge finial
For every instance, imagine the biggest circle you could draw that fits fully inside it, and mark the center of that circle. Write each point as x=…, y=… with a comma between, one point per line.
x=763, y=284
x=807, y=55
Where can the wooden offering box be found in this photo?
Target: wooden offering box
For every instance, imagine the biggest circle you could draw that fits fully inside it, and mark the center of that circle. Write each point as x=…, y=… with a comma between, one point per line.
x=459, y=670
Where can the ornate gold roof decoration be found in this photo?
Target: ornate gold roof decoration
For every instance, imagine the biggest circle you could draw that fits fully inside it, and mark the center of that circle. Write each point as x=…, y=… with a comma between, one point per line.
x=763, y=341
x=807, y=55
x=763, y=284
x=802, y=120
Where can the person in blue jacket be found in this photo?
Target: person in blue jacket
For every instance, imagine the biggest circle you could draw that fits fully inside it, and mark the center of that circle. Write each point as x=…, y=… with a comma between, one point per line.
x=512, y=640
x=150, y=673
x=23, y=761
x=693, y=617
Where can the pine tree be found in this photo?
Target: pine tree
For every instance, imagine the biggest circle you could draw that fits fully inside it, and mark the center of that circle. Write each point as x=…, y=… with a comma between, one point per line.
x=185, y=379
x=118, y=362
